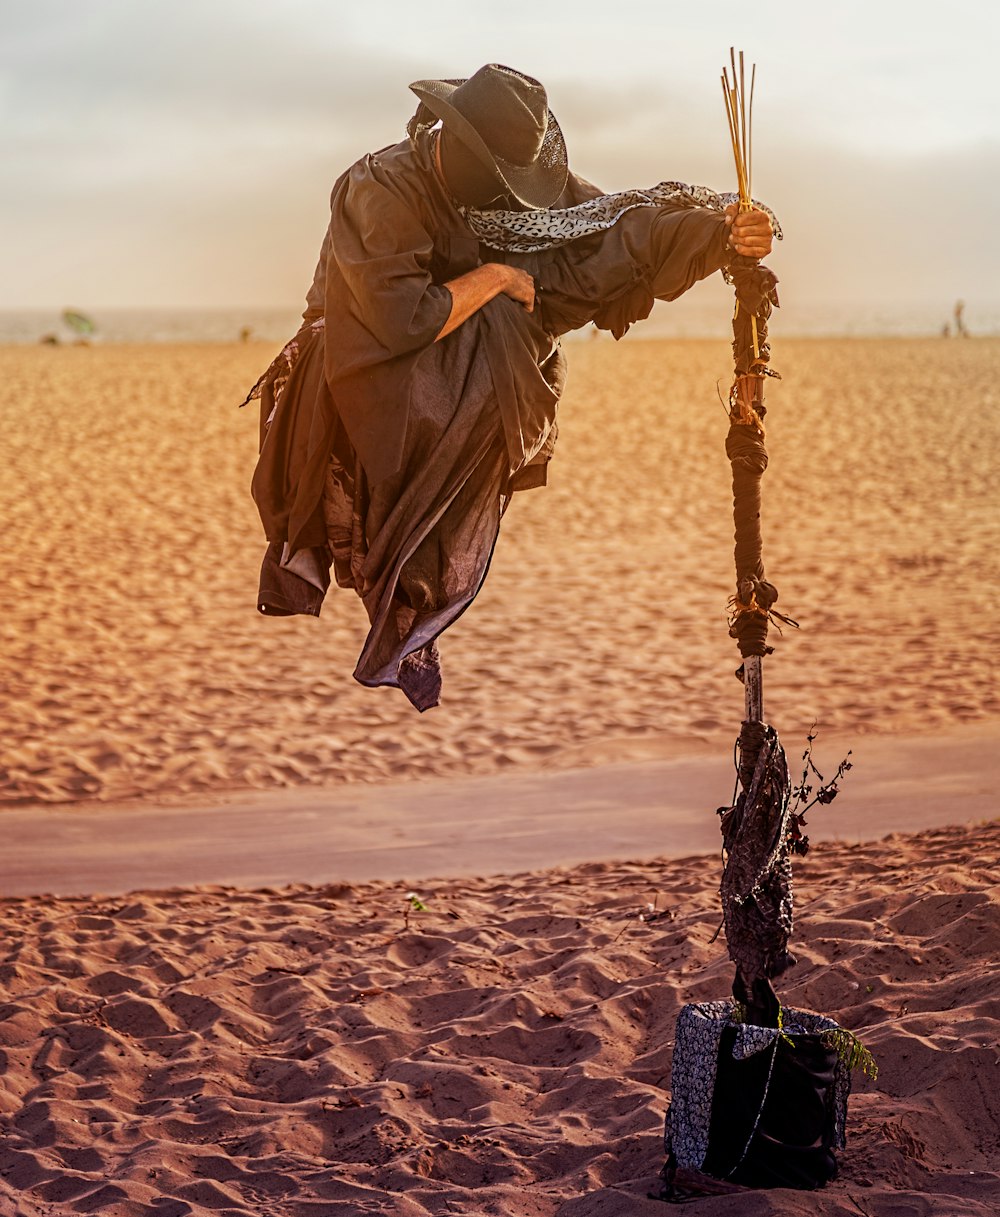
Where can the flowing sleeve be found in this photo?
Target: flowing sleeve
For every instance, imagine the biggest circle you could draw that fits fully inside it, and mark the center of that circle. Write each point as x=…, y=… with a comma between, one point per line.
x=381, y=301
x=613, y=278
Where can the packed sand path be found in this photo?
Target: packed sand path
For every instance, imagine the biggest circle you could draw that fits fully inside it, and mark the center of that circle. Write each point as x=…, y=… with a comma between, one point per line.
x=134, y=665
x=505, y=1052
x=411, y=831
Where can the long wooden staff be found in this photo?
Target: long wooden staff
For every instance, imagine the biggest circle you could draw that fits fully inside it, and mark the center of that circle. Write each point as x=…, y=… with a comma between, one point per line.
x=756, y=883
x=755, y=294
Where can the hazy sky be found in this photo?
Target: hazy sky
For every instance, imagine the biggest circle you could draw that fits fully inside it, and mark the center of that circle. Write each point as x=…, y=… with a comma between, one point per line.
x=180, y=152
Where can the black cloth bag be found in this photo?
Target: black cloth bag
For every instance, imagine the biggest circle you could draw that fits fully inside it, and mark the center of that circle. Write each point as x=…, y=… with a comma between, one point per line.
x=772, y=1116
x=753, y=1106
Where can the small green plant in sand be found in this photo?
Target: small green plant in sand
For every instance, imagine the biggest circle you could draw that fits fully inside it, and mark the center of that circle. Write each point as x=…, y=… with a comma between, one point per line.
x=413, y=905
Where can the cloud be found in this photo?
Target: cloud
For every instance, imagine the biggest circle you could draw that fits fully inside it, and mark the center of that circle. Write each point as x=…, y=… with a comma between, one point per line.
x=184, y=153
x=118, y=91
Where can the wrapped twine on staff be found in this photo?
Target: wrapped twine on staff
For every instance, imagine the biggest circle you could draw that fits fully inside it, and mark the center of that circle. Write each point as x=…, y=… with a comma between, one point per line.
x=756, y=293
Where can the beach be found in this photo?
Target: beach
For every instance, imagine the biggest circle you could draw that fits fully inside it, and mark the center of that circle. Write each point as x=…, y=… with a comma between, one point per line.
x=261, y=1031
x=504, y=1050
x=136, y=665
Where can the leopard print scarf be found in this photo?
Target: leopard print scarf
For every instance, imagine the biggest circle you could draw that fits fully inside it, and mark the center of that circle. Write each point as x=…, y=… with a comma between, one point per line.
x=530, y=231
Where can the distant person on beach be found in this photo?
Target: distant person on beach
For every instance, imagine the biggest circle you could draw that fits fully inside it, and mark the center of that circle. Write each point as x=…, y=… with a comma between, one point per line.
x=420, y=392
x=960, y=329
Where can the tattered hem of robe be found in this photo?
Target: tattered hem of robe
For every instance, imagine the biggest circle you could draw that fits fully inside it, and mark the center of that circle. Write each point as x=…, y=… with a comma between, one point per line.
x=417, y=546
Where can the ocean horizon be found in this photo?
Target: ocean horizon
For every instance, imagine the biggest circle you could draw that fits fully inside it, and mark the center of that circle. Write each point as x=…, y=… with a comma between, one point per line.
x=694, y=317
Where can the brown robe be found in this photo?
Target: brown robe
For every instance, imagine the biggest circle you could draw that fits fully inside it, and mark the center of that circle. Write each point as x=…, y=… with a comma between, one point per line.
x=394, y=456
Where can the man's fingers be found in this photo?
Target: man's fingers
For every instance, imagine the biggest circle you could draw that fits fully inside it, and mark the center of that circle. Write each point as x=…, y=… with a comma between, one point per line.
x=751, y=222
x=526, y=294
x=520, y=286
x=752, y=234
x=756, y=235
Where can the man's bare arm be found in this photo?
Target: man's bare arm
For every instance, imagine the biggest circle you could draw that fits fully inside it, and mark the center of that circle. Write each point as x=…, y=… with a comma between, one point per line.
x=469, y=292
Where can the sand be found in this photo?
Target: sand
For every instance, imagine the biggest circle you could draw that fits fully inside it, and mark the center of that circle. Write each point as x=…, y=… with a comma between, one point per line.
x=310, y=1051
x=219, y=1042
x=135, y=665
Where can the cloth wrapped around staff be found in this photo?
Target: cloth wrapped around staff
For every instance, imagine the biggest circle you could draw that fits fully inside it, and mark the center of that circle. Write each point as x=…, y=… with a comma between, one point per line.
x=756, y=885
x=756, y=292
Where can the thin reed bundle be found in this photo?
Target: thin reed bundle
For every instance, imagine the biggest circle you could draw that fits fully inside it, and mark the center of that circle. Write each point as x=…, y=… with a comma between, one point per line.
x=740, y=114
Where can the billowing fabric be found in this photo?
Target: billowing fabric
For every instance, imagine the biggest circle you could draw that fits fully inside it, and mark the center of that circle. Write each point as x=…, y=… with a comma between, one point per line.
x=529, y=231
x=416, y=546
x=395, y=238
x=396, y=455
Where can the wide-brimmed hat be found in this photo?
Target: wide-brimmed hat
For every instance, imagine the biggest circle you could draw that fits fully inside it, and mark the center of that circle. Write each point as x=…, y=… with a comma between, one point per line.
x=503, y=118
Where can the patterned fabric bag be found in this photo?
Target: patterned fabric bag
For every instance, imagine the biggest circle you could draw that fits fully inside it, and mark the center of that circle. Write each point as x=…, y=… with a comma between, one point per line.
x=753, y=1107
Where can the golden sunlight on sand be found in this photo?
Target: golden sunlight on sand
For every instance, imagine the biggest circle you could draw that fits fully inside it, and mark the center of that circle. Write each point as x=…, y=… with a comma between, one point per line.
x=134, y=662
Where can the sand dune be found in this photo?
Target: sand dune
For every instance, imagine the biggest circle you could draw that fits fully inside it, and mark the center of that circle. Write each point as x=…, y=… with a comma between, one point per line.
x=313, y=1051
x=135, y=666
